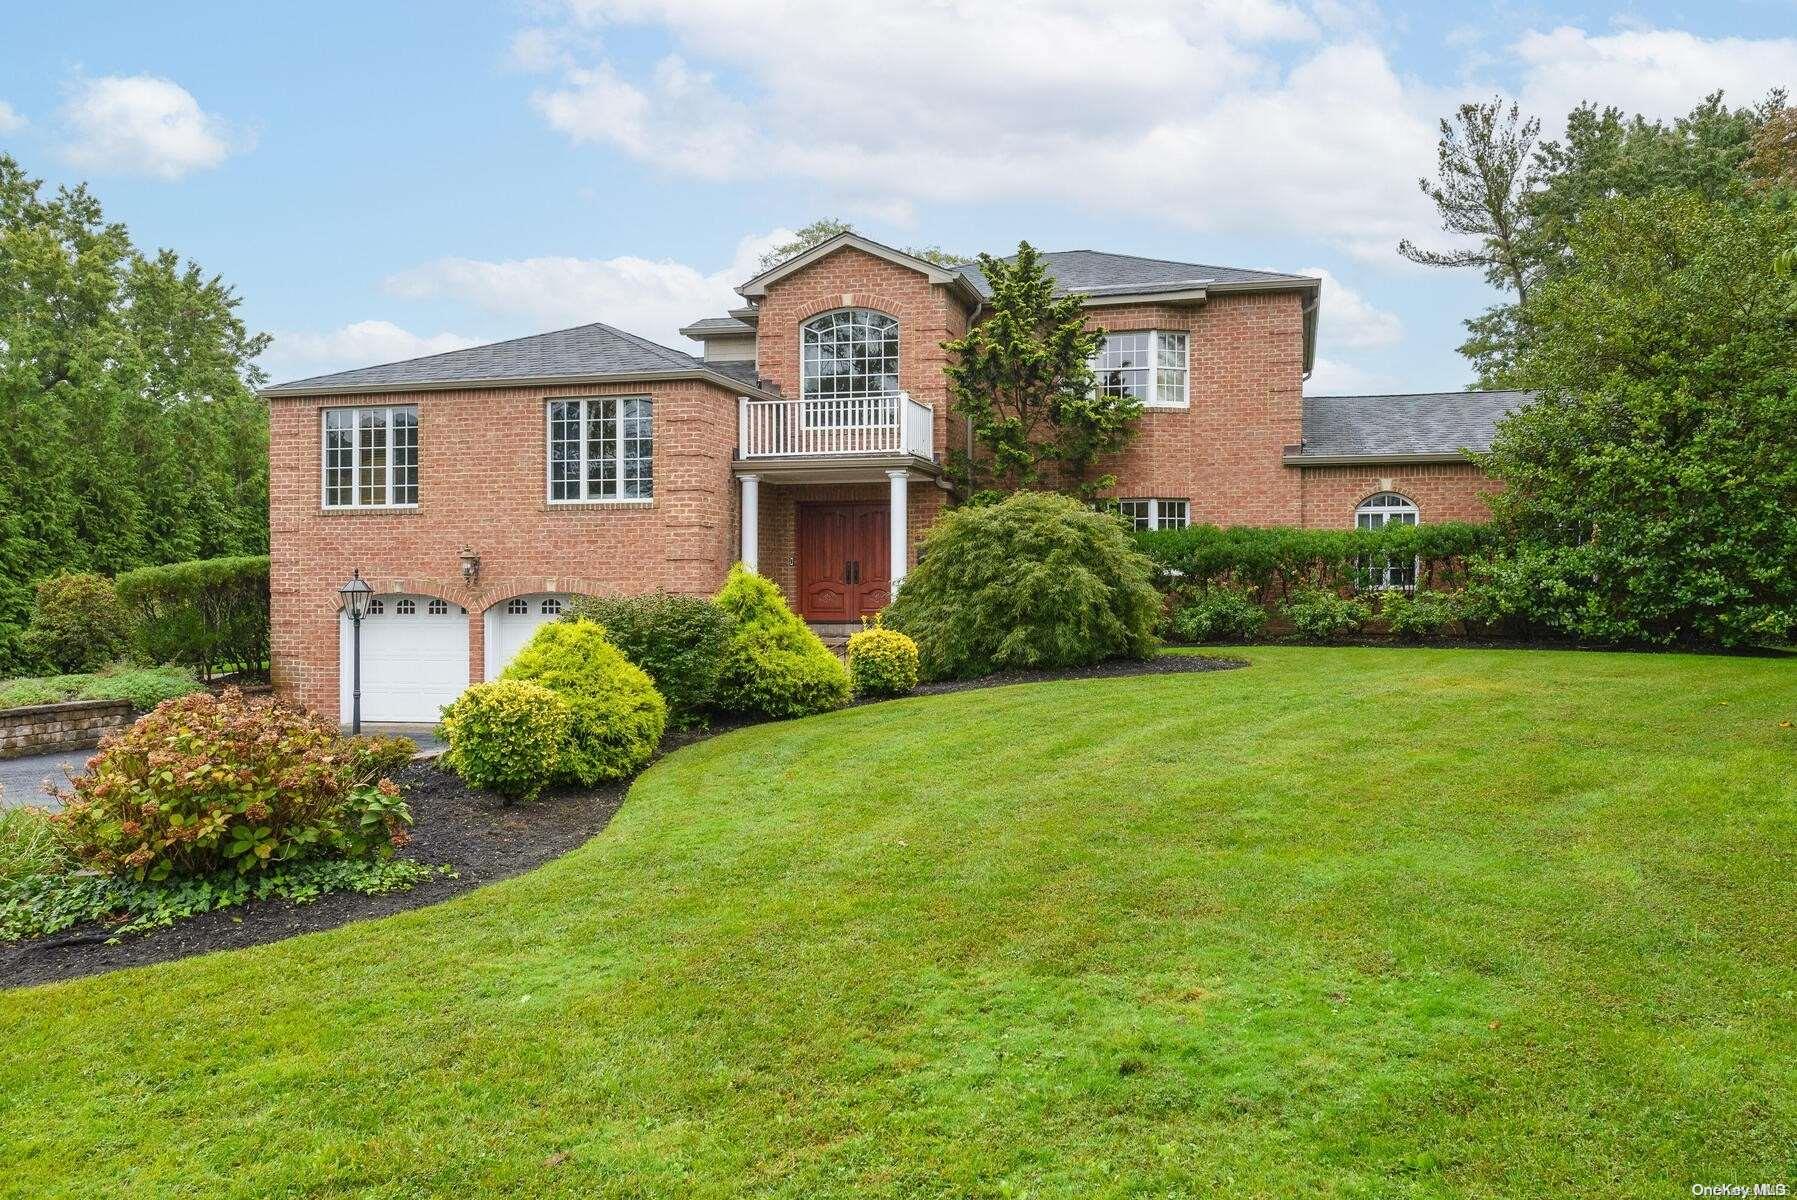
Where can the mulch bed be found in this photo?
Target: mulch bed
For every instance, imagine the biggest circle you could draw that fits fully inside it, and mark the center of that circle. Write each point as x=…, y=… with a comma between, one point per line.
x=482, y=838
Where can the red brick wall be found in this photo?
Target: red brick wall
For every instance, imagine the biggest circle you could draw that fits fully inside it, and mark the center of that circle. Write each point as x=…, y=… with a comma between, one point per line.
x=1246, y=405
x=482, y=484
x=1440, y=491
x=928, y=315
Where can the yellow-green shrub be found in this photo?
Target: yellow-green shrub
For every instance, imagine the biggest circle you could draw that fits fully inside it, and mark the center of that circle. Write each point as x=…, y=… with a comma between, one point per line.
x=507, y=736
x=617, y=716
x=882, y=662
x=774, y=665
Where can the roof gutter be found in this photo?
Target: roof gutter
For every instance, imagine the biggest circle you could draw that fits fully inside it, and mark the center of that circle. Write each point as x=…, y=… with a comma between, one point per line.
x=726, y=382
x=1462, y=457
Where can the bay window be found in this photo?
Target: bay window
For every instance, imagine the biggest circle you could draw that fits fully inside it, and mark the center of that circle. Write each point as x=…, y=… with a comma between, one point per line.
x=371, y=457
x=601, y=449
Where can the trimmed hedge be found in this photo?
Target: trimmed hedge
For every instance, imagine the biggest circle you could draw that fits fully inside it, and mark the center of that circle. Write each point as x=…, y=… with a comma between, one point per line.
x=882, y=662
x=207, y=613
x=678, y=640
x=77, y=623
x=617, y=716
x=774, y=666
x=1275, y=562
x=507, y=736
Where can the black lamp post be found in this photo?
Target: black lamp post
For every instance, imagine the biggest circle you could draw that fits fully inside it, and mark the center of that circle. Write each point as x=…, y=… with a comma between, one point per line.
x=356, y=596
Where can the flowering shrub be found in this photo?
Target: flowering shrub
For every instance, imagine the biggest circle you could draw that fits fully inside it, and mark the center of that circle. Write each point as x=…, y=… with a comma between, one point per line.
x=507, y=736
x=882, y=662
x=616, y=715
x=774, y=666
x=206, y=785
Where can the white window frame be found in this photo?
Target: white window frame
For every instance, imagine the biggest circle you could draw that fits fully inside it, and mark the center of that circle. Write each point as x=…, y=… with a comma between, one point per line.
x=1156, y=518
x=1154, y=368
x=1385, y=512
x=855, y=409
x=586, y=445
x=355, y=488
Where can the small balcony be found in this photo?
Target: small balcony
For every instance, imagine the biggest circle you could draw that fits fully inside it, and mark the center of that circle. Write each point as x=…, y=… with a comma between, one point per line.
x=843, y=427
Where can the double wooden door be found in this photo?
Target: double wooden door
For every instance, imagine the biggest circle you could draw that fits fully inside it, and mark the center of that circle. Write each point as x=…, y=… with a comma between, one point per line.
x=844, y=560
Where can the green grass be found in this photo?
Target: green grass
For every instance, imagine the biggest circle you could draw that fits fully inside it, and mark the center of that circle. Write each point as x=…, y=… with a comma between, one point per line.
x=28, y=845
x=1351, y=922
x=144, y=687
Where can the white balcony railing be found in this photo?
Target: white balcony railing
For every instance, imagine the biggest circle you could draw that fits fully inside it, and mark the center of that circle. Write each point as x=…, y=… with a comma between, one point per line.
x=894, y=424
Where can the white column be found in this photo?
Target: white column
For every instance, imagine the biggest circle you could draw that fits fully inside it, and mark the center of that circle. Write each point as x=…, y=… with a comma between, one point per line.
x=900, y=528
x=751, y=521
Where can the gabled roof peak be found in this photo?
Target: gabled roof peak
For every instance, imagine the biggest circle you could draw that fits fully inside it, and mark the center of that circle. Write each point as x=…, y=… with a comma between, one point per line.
x=849, y=239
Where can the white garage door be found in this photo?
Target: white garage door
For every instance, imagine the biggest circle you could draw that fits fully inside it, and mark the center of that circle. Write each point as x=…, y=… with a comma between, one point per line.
x=414, y=658
x=512, y=623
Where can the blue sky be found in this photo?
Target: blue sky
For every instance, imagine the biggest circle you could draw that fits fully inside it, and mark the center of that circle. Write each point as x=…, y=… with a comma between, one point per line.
x=386, y=179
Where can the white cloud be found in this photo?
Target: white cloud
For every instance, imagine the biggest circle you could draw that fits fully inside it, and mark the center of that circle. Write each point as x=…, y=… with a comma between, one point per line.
x=981, y=100
x=1334, y=377
x=651, y=298
x=358, y=344
x=143, y=125
x=11, y=120
x=1659, y=72
x=536, y=50
x=1349, y=321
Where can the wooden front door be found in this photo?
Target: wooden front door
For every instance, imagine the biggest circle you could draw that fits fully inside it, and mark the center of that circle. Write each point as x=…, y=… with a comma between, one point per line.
x=844, y=561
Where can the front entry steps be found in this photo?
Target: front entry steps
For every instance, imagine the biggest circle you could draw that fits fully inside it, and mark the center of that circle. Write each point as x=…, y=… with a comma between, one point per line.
x=835, y=634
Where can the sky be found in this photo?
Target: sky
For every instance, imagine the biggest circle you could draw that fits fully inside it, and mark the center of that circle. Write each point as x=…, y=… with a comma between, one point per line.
x=390, y=178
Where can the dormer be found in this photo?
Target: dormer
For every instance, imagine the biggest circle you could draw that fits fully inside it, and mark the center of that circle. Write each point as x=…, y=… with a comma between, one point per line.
x=726, y=339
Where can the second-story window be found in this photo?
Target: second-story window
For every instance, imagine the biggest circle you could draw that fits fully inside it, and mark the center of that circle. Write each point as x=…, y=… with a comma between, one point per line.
x=371, y=457
x=601, y=448
x=849, y=368
x=1148, y=364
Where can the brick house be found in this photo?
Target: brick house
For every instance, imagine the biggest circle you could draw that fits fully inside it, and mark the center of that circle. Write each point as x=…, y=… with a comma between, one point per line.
x=478, y=490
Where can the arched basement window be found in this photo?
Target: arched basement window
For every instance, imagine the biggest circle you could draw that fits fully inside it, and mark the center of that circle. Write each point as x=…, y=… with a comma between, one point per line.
x=1376, y=512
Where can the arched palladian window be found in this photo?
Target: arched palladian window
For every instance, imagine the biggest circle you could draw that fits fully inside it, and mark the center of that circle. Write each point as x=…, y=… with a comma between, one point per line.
x=849, y=368
x=1376, y=512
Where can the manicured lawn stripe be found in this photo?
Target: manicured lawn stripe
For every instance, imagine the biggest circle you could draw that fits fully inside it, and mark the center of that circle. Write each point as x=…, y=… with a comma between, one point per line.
x=1350, y=922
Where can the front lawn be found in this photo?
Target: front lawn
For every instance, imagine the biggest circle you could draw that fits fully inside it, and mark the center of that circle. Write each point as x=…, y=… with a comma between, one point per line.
x=1350, y=922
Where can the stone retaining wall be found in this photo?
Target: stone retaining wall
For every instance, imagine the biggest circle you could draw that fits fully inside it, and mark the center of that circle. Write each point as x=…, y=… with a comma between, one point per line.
x=48, y=728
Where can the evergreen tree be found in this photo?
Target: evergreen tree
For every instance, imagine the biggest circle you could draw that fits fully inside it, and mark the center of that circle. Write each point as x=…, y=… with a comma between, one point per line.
x=1023, y=374
x=131, y=434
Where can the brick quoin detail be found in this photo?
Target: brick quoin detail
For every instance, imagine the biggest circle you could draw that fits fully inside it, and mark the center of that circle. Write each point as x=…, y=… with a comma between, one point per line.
x=482, y=467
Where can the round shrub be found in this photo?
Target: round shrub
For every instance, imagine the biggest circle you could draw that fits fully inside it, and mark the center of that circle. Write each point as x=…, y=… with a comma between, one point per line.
x=77, y=623
x=882, y=662
x=774, y=666
x=1218, y=612
x=208, y=784
x=616, y=715
x=507, y=736
x=678, y=640
x=1320, y=615
x=1424, y=615
x=1033, y=582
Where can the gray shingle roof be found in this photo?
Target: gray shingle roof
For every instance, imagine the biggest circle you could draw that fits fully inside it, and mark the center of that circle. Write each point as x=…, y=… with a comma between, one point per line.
x=1096, y=271
x=742, y=372
x=718, y=326
x=1418, y=423
x=584, y=352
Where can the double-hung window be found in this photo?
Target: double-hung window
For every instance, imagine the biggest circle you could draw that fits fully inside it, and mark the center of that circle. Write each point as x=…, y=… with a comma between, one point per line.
x=601, y=448
x=1148, y=364
x=1156, y=513
x=371, y=457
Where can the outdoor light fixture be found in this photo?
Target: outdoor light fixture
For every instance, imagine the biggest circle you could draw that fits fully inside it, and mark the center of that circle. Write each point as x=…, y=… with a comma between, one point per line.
x=470, y=565
x=356, y=596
